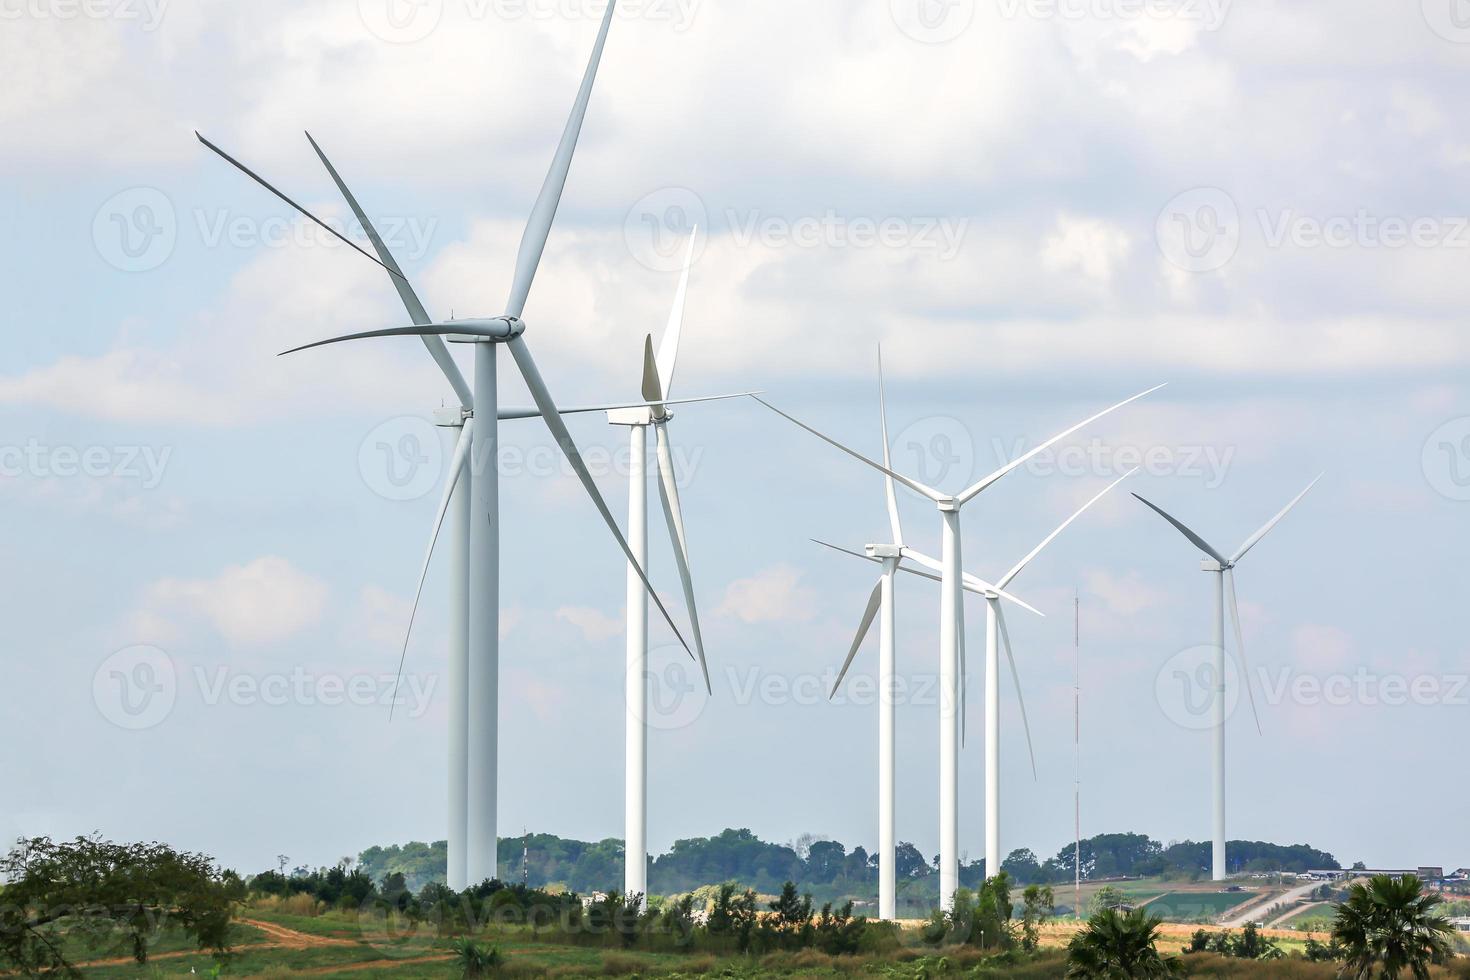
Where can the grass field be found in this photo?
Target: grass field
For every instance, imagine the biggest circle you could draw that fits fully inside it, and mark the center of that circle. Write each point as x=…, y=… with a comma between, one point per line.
x=1196, y=906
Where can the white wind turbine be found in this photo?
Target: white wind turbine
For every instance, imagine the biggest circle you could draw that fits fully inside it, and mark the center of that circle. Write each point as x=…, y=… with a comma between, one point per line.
x=658, y=382
x=472, y=490
x=881, y=603
x=951, y=627
x=996, y=633
x=1224, y=586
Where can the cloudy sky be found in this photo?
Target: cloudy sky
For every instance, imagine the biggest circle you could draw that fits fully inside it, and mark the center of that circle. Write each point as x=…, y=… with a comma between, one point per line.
x=1037, y=207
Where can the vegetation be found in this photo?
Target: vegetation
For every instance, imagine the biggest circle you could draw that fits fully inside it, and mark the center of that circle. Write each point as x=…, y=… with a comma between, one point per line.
x=1120, y=946
x=1390, y=928
x=1249, y=945
x=95, y=897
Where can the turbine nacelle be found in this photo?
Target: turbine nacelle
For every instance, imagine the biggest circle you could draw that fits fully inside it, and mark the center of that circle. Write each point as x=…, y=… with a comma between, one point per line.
x=494, y=330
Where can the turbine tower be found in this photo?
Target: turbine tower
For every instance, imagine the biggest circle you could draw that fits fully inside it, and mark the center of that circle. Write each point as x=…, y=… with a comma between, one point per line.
x=1223, y=587
x=881, y=604
x=475, y=501
x=658, y=382
x=996, y=632
x=951, y=628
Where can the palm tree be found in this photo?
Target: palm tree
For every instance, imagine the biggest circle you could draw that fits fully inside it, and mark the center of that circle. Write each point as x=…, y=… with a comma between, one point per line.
x=1120, y=946
x=1393, y=927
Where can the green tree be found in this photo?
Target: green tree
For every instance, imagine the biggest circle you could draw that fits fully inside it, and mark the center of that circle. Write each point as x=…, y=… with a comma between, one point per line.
x=99, y=895
x=1022, y=866
x=1106, y=898
x=1037, y=904
x=1390, y=929
x=1119, y=946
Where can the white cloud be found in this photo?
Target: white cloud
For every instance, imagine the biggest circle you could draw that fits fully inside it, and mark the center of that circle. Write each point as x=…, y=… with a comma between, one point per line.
x=774, y=595
x=1126, y=595
x=595, y=626
x=256, y=604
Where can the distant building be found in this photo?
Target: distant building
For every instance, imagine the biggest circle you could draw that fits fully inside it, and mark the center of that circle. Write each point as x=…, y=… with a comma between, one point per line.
x=1430, y=872
x=1462, y=923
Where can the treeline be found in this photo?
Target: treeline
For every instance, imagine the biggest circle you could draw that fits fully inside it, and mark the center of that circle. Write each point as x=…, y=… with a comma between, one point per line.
x=827, y=868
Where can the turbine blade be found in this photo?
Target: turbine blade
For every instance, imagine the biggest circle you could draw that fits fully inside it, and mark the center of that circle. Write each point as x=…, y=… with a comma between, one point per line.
x=416, y=312
x=913, y=485
x=971, y=493
x=1005, y=635
x=513, y=414
x=1245, y=675
x=968, y=582
x=456, y=468
x=653, y=391
x=894, y=524
x=1010, y=576
x=874, y=601
x=668, y=348
x=547, y=404
x=538, y=226
x=1198, y=541
x=268, y=186
x=846, y=551
x=1255, y=539
x=426, y=330
x=668, y=492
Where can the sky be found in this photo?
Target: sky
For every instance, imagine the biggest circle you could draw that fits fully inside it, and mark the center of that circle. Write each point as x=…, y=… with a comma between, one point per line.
x=1036, y=207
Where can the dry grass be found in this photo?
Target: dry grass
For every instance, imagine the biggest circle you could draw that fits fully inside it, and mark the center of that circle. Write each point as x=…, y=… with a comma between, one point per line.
x=298, y=904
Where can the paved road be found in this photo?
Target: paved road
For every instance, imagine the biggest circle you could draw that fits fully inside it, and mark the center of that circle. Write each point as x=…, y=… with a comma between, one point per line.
x=1251, y=913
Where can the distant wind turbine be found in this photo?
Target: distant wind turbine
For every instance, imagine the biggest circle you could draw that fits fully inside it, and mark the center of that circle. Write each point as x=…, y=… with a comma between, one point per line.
x=1223, y=569
x=951, y=627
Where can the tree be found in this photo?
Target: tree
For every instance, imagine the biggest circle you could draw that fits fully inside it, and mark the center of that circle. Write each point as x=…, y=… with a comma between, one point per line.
x=98, y=894
x=1391, y=927
x=1119, y=946
x=1106, y=898
x=908, y=861
x=839, y=933
x=1022, y=866
x=1037, y=904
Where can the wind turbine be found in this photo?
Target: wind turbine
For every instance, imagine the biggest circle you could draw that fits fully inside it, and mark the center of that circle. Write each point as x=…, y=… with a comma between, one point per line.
x=881, y=603
x=477, y=506
x=1223, y=569
x=951, y=627
x=996, y=632
x=658, y=382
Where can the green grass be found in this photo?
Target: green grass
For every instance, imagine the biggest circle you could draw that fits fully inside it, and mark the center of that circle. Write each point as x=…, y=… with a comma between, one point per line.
x=1196, y=906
